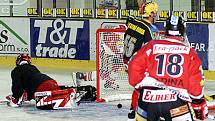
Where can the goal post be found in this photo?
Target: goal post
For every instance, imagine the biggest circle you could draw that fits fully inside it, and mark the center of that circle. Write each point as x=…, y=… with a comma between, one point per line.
x=112, y=80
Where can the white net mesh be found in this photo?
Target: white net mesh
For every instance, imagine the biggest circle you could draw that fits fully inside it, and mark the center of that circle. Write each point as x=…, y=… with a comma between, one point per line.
x=112, y=83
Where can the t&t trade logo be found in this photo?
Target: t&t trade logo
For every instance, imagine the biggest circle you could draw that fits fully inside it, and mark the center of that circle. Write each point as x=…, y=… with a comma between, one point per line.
x=60, y=38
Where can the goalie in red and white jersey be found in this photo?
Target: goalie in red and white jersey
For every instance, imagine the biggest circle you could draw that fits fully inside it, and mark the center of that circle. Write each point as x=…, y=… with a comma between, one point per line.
x=28, y=80
x=168, y=74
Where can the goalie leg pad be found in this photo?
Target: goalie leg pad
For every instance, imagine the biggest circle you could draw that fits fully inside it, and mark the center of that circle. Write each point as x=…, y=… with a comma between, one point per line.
x=86, y=76
x=79, y=75
x=57, y=99
x=48, y=85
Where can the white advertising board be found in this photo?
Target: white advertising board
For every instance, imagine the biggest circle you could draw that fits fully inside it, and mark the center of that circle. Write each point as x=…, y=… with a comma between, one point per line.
x=211, y=47
x=14, y=36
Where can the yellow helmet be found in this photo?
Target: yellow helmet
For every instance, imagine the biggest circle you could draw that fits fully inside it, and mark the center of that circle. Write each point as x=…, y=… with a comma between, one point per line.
x=148, y=8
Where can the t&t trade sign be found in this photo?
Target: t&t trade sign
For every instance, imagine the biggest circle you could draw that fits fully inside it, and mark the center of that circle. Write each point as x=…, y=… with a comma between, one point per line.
x=60, y=38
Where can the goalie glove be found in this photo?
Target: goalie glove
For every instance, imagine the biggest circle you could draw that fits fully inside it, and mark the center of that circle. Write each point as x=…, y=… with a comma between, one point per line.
x=200, y=108
x=12, y=102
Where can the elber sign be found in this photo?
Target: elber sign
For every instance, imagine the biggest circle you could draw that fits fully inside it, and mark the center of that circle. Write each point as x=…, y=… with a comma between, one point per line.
x=60, y=38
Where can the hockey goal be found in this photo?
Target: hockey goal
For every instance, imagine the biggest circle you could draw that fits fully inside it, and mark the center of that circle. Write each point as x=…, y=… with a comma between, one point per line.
x=112, y=80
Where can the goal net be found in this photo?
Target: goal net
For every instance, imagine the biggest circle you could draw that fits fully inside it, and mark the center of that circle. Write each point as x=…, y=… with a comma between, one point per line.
x=112, y=80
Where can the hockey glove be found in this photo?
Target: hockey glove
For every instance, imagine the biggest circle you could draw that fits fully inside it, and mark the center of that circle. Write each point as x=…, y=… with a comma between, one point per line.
x=12, y=102
x=200, y=108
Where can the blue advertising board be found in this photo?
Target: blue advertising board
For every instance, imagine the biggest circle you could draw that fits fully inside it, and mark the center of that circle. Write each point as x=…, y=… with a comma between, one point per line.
x=198, y=36
x=59, y=38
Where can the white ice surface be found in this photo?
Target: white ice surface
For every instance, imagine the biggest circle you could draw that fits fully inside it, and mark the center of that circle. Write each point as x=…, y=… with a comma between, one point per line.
x=84, y=112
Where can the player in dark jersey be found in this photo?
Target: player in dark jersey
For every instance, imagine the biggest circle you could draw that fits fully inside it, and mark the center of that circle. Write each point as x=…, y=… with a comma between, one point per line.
x=139, y=32
x=169, y=75
x=27, y=80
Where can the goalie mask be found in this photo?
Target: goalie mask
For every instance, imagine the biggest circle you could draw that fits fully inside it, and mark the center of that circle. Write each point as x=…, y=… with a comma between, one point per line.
x=146, y=9
x=175, y=26
x=23, y=59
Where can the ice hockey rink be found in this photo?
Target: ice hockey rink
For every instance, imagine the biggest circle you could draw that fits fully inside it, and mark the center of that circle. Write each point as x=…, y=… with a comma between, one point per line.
x=84, y=112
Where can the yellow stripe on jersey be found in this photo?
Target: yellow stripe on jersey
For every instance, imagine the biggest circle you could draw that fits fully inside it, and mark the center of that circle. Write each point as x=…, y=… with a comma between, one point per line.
x=136, y=28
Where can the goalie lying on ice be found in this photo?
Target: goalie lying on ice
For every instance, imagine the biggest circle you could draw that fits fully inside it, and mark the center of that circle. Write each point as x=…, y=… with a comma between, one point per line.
x=27, y=80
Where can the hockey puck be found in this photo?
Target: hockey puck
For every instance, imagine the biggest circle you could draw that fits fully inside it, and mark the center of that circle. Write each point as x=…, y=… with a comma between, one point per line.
x=119, y=105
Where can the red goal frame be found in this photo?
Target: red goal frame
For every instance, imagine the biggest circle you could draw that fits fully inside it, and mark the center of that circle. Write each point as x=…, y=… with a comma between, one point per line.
x=98, y=86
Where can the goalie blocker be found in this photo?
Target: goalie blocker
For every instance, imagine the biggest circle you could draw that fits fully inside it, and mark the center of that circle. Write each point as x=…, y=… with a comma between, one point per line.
x=87, y=93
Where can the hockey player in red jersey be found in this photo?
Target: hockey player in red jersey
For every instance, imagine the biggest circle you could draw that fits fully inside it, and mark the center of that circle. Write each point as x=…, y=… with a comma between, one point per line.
x=139, y=32
x=28, y=80
x=168, y=75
